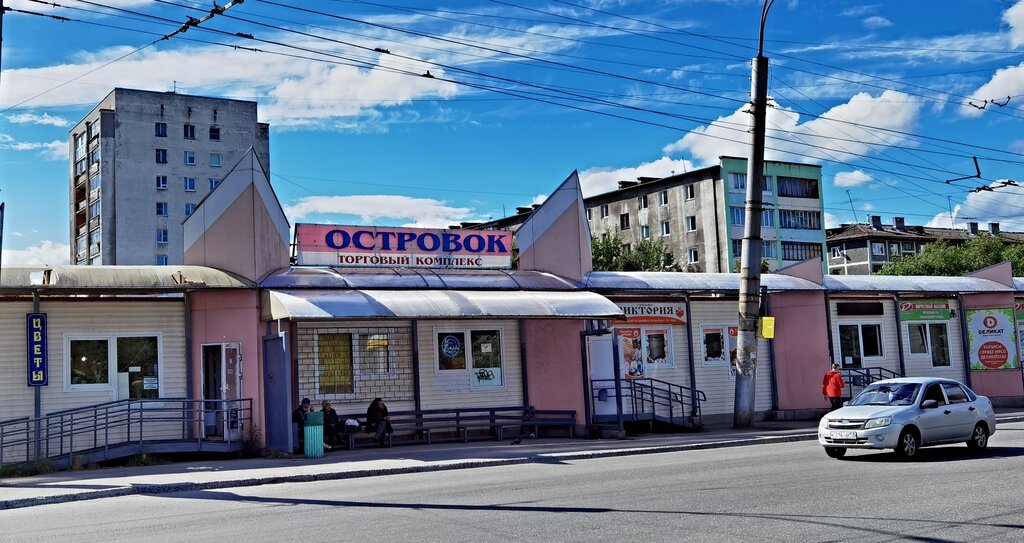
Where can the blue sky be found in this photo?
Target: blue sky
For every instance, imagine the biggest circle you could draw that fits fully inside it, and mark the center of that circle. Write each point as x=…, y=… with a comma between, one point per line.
x=891, y=98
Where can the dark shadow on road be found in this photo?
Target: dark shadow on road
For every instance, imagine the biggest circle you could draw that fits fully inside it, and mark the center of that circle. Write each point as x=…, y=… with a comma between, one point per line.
x=830, y=521
x=951, y=453
x=43, y=486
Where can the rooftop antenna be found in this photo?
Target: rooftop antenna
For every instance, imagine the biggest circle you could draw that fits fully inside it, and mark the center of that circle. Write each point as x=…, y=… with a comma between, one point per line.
x=852, y=210
x=949, y=203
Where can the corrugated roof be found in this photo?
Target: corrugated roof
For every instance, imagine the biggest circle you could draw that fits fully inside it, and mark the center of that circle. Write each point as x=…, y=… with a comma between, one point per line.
x=688, y=282
x=411, y=278
x=910, y=283
x=118, y=278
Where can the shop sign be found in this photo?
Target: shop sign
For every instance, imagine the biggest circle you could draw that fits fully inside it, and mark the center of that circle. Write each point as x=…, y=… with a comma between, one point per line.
x=992, y=339
x=925, y=310
x=654, y=313
x=35, y=327
x=382, y=246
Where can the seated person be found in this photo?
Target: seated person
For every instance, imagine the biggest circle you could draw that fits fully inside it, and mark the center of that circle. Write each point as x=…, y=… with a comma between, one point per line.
x=378, y=421
x=331, y=425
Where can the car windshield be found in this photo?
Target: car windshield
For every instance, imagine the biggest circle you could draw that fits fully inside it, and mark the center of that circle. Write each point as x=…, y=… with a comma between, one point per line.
x=887, y=394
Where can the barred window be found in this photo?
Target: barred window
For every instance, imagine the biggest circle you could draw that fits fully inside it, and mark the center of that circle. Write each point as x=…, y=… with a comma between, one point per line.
x=375, y=355
x=797, y=219
x=800, y=251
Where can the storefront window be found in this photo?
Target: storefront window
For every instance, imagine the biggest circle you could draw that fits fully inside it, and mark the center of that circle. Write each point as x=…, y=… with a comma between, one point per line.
x=719, y=343
x=334, y=363
x=90, y=363
x=451, y=351
x=375, y=356
x=859, y=341
x=486, y=358
x=931, y=340
x=133, y=360
x=137, y=358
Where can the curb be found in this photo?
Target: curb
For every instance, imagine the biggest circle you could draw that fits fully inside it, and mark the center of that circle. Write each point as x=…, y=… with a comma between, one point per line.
x=543, y=458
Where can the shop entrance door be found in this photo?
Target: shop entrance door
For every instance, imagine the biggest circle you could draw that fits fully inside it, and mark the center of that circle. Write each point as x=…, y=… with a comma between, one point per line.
x=602, y=373
x=222, y=388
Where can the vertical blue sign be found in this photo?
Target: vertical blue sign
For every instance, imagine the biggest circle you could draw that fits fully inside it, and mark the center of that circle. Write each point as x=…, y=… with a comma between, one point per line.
x=35, y=325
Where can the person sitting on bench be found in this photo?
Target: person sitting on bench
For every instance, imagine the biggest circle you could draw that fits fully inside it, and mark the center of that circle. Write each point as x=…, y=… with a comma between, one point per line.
x=378, y=421
x=331, y=423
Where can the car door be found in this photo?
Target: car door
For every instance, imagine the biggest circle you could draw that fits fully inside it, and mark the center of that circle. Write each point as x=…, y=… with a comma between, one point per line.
x=934, y=423
x=963, y=414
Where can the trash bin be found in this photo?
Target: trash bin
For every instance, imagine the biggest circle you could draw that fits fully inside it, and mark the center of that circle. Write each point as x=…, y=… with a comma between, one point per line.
x=313, y=435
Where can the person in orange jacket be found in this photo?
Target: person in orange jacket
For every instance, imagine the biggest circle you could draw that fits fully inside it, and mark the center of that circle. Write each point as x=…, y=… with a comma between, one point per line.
x=832, y=386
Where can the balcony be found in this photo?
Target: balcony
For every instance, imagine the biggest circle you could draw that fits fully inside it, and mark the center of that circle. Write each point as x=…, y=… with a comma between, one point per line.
x=83, y=230
x=81, y=257
x=94, y=195
x=94, y=249
x=81, y=206
x=94, y=223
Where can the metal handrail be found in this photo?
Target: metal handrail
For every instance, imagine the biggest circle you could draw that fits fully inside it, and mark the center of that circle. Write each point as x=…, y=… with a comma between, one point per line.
x=670, y=401
x=860, y=378
x=110, y=424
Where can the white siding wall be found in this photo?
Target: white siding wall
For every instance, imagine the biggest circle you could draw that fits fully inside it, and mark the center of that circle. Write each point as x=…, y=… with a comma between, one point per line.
x=449, y=389
x=921, y=365
x=715, y=381
x=890, y=346
x=164, y=318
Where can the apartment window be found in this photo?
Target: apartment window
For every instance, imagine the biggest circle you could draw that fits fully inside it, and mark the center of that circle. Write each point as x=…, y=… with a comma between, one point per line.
x=161, y=182
x=737, y=216
x=800, y=220
x=690, y=192
x=624, y=221
x=215, y=133
x=79, y=148
x=161, y=235
x=908, y=247
x=792, y=250
x=335, y=366
x=95, y=208
x=859, y=341
x=189, y=208
x=96, y=362
x=692, y=255
x=738, y=182
x=645, y=231
x=215, y=160
x=798, y=187
x=878, y=249
x=767, y=218
x=95, y=182
x=737, y=248
x=691, y=223
x=190, y=184
x=161, y=209
x=94, y=156
x=666, y=228
x=160, y=130
x=642, y=201
x=604, y=210
x=836, y=252
x=96, y=260
x=214, y=182
x=190, y=158
x=663, y=198
x=768, y=248
x=161, y=260
x=161, y=156
x=588, y=213
x=929, y=340
x=190, y=131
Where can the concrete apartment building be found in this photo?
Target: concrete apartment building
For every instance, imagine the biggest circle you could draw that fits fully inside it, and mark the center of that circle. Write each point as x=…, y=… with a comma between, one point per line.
x=862, y=249
x=699, y=215
x=141, y=161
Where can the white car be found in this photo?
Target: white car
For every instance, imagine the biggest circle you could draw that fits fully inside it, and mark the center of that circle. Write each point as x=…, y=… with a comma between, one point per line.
x=906, y=414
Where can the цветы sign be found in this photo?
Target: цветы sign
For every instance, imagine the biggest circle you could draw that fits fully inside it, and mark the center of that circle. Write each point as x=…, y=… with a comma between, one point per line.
x=383, y=246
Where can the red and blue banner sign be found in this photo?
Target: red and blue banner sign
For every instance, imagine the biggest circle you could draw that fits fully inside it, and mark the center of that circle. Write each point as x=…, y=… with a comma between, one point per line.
x=35, y=326
x=385, y=247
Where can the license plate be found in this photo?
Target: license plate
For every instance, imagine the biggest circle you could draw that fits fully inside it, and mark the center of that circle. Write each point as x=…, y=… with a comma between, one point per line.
x=844, y=435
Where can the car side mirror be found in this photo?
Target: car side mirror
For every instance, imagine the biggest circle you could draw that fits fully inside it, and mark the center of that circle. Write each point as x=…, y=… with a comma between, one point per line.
x=846, y=404
x=929, y=404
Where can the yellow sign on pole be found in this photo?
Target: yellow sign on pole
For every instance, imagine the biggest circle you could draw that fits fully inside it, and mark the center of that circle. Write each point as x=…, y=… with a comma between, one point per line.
x=768, y=327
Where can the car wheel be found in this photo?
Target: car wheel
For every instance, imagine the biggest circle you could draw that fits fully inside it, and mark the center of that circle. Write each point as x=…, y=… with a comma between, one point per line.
x=835, y=452
x=907, y=445
x=979, y=438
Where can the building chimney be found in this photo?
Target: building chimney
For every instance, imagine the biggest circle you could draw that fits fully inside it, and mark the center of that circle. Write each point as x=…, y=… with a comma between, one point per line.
x=627, y=184
x=876, y=221
x=993, y=228
x=972, y=228
x=899, y=223
x=522, y=210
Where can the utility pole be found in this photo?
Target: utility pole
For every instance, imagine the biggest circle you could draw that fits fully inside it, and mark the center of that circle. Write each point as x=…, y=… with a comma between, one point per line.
x=750, y=268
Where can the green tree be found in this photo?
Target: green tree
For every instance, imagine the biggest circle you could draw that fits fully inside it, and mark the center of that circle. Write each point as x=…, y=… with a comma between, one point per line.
x=942, y=258
x=648, y=255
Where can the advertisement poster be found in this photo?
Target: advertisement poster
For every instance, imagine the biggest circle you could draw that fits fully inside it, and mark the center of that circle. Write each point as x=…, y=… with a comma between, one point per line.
x=631, y=352
x=719, y=343
x=649, y=327
x=992, y=339
x=925, y=310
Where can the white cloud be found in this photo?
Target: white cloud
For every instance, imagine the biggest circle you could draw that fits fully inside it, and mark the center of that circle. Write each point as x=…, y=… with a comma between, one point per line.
x=54, y=150
x=1005, y=82
x=819, y=139
x=1004, y=205
x=539, y=199
x=599, y=180
x=855, y=178
x=418, y=212
x=44, y=119
x=1015, y=18
x=858, y=11
x=47, y=253
x=876, y=21
x=831, y=221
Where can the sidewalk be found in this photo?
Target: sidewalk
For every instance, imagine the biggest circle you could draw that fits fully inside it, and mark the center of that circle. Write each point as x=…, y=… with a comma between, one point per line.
x=65, y=486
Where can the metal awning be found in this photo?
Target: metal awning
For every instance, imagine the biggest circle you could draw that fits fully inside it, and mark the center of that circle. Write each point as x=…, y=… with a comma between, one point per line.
x=435, y=304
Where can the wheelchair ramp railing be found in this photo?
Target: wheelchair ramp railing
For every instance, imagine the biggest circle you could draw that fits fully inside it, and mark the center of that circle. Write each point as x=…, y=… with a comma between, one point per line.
x=124, y=428
x=652, y=399
x=858, y=378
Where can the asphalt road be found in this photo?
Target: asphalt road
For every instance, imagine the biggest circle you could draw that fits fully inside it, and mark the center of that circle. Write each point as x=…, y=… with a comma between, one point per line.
x=786, y=492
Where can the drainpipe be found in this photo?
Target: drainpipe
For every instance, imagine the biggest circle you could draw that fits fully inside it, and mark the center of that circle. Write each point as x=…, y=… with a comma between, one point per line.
x=618, y=383
x=899, y=333
x=963, y=340
x=766, y=303
x=588, y=389
x=828, y=323
x=416, y=366
x=689, y=342
x=523, y=361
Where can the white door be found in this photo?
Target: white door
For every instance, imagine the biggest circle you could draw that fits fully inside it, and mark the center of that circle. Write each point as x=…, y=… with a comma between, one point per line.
x=602, y=373
x=222, y=388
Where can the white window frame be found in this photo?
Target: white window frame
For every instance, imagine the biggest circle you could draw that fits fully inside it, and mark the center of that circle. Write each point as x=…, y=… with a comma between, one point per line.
x=877, y=248
x=729, y=344
x=860, y=339
x=466, y=375
x=190, y=209
x=190, y=184
x=354, y=395
x=214, y=183
x=111, y=339
x=927, y=354
x=692, y=256
x=189, y=158
x=691, y=192
x=604, y=210
x=215, y=160
x=162, y=209
x=688, y=220
x=161, y=236
x=666, y=228
x=836, y=252
x=161, y=260
x=663, y=198
x=645, y=231
x=161, y=182
x=641, y=201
